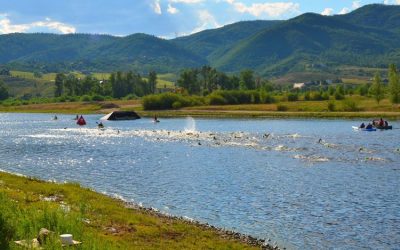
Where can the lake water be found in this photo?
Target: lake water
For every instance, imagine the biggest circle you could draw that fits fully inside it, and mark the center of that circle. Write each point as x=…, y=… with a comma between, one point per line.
x=267, y=177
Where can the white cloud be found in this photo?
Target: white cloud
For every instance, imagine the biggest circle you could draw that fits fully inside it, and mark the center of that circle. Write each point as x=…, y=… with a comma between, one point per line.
x=156, y=7
x=7, y=27
x=172, y=10
x=345, y=10
x=394, y=2
x=270, y=9
x=206, y=21
x=327, y=12
x=61, y=27
x=356, y=4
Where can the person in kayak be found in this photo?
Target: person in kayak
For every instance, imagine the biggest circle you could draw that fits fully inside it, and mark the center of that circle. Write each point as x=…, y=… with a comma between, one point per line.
x=81, y=121
x=369, y=126
x=381, y=122
x=362, y=125
x=100, y=125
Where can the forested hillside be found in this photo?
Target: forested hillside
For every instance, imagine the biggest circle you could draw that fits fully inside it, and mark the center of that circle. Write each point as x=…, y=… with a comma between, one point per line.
x=368, y=37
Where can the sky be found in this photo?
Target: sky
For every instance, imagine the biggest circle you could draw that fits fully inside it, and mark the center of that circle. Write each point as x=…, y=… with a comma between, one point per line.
x=162, y=18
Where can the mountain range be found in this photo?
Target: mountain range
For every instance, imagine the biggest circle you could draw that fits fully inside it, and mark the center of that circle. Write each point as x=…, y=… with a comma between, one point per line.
x=366, y=37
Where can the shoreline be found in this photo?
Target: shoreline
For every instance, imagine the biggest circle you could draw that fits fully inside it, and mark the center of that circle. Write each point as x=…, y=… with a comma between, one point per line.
x=241, y=114
x=270, y=114
x=223, y=233
x=235, y=111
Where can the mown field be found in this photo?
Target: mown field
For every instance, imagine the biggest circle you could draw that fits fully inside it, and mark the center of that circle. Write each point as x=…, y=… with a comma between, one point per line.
x=96, y=220
x=45, y=83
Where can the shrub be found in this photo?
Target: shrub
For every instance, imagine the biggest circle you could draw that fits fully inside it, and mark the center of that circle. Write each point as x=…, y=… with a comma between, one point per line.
x=339, y=96
x=167, y=100
x=281, y=107
x=325, y=96
x=130, y=97
x=350, y=105
x=307, y=96
x=242, y=96
x=331, y=106
x=85, y=98
x=98, y=98
x=316, y=96
x=292, y=97
x=61, y=99
x=177, y=105
x=215, y=99
x=265, y=97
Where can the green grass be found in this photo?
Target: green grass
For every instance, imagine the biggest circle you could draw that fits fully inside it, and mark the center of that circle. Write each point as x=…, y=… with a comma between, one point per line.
x=164, y=80
x=164, y=83
x=101, y=76
x=49, y=77
x=355, y=81
x=171, y=77
x=55, y=108
x=98, y=221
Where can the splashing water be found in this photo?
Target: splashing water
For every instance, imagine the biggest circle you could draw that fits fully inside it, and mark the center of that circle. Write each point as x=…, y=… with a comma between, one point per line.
x=190, y=124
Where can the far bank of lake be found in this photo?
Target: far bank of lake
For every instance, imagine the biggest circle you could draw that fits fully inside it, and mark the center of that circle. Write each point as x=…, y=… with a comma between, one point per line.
x=316, y=109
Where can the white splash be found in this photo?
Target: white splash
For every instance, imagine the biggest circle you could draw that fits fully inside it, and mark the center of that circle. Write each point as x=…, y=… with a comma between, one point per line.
x=190, y=124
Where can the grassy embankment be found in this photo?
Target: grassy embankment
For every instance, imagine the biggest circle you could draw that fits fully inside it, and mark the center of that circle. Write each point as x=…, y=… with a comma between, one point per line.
x=367, y=108
x=99, y=221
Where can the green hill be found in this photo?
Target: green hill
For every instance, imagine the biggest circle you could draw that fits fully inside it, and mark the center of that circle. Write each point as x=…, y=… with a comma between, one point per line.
x=210, y=43
x=85, y=52
x=368, y=37
x=319, y=41
x=376, y=16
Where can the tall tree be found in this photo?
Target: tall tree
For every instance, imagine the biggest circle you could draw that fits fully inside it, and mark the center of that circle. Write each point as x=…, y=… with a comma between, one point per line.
x=70, y=84
x=247, y=79
x=88, y=84
x=152, y=81
x=377, y=88
x=3, y=91
x=59, y=82
x=188, y=80
x=394, y=84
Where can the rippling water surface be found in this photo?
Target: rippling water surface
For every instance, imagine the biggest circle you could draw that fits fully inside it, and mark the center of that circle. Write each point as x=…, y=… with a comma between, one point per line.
x=269, y=178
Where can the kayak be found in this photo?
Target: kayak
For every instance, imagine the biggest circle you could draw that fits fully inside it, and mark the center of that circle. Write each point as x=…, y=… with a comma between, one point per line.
x=81, y=121
x=383, y=127
x=364, y=129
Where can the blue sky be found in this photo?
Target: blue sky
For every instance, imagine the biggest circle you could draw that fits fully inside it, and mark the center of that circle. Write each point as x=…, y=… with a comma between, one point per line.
x=163, y=18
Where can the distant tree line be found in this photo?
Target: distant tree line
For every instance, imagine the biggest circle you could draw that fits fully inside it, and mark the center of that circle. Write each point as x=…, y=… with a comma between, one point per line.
x=204, y=80
x=207, y=86
x=119, y=84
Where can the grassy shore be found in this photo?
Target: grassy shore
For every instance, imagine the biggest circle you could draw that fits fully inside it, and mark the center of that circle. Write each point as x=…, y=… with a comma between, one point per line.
x=98, y=221
x=365, y=108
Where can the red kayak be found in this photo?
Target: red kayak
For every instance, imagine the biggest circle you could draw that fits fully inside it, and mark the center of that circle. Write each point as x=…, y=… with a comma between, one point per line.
x=81, y=121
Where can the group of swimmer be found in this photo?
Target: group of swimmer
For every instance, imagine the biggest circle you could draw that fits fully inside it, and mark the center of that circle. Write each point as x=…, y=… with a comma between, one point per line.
x=375, y=123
